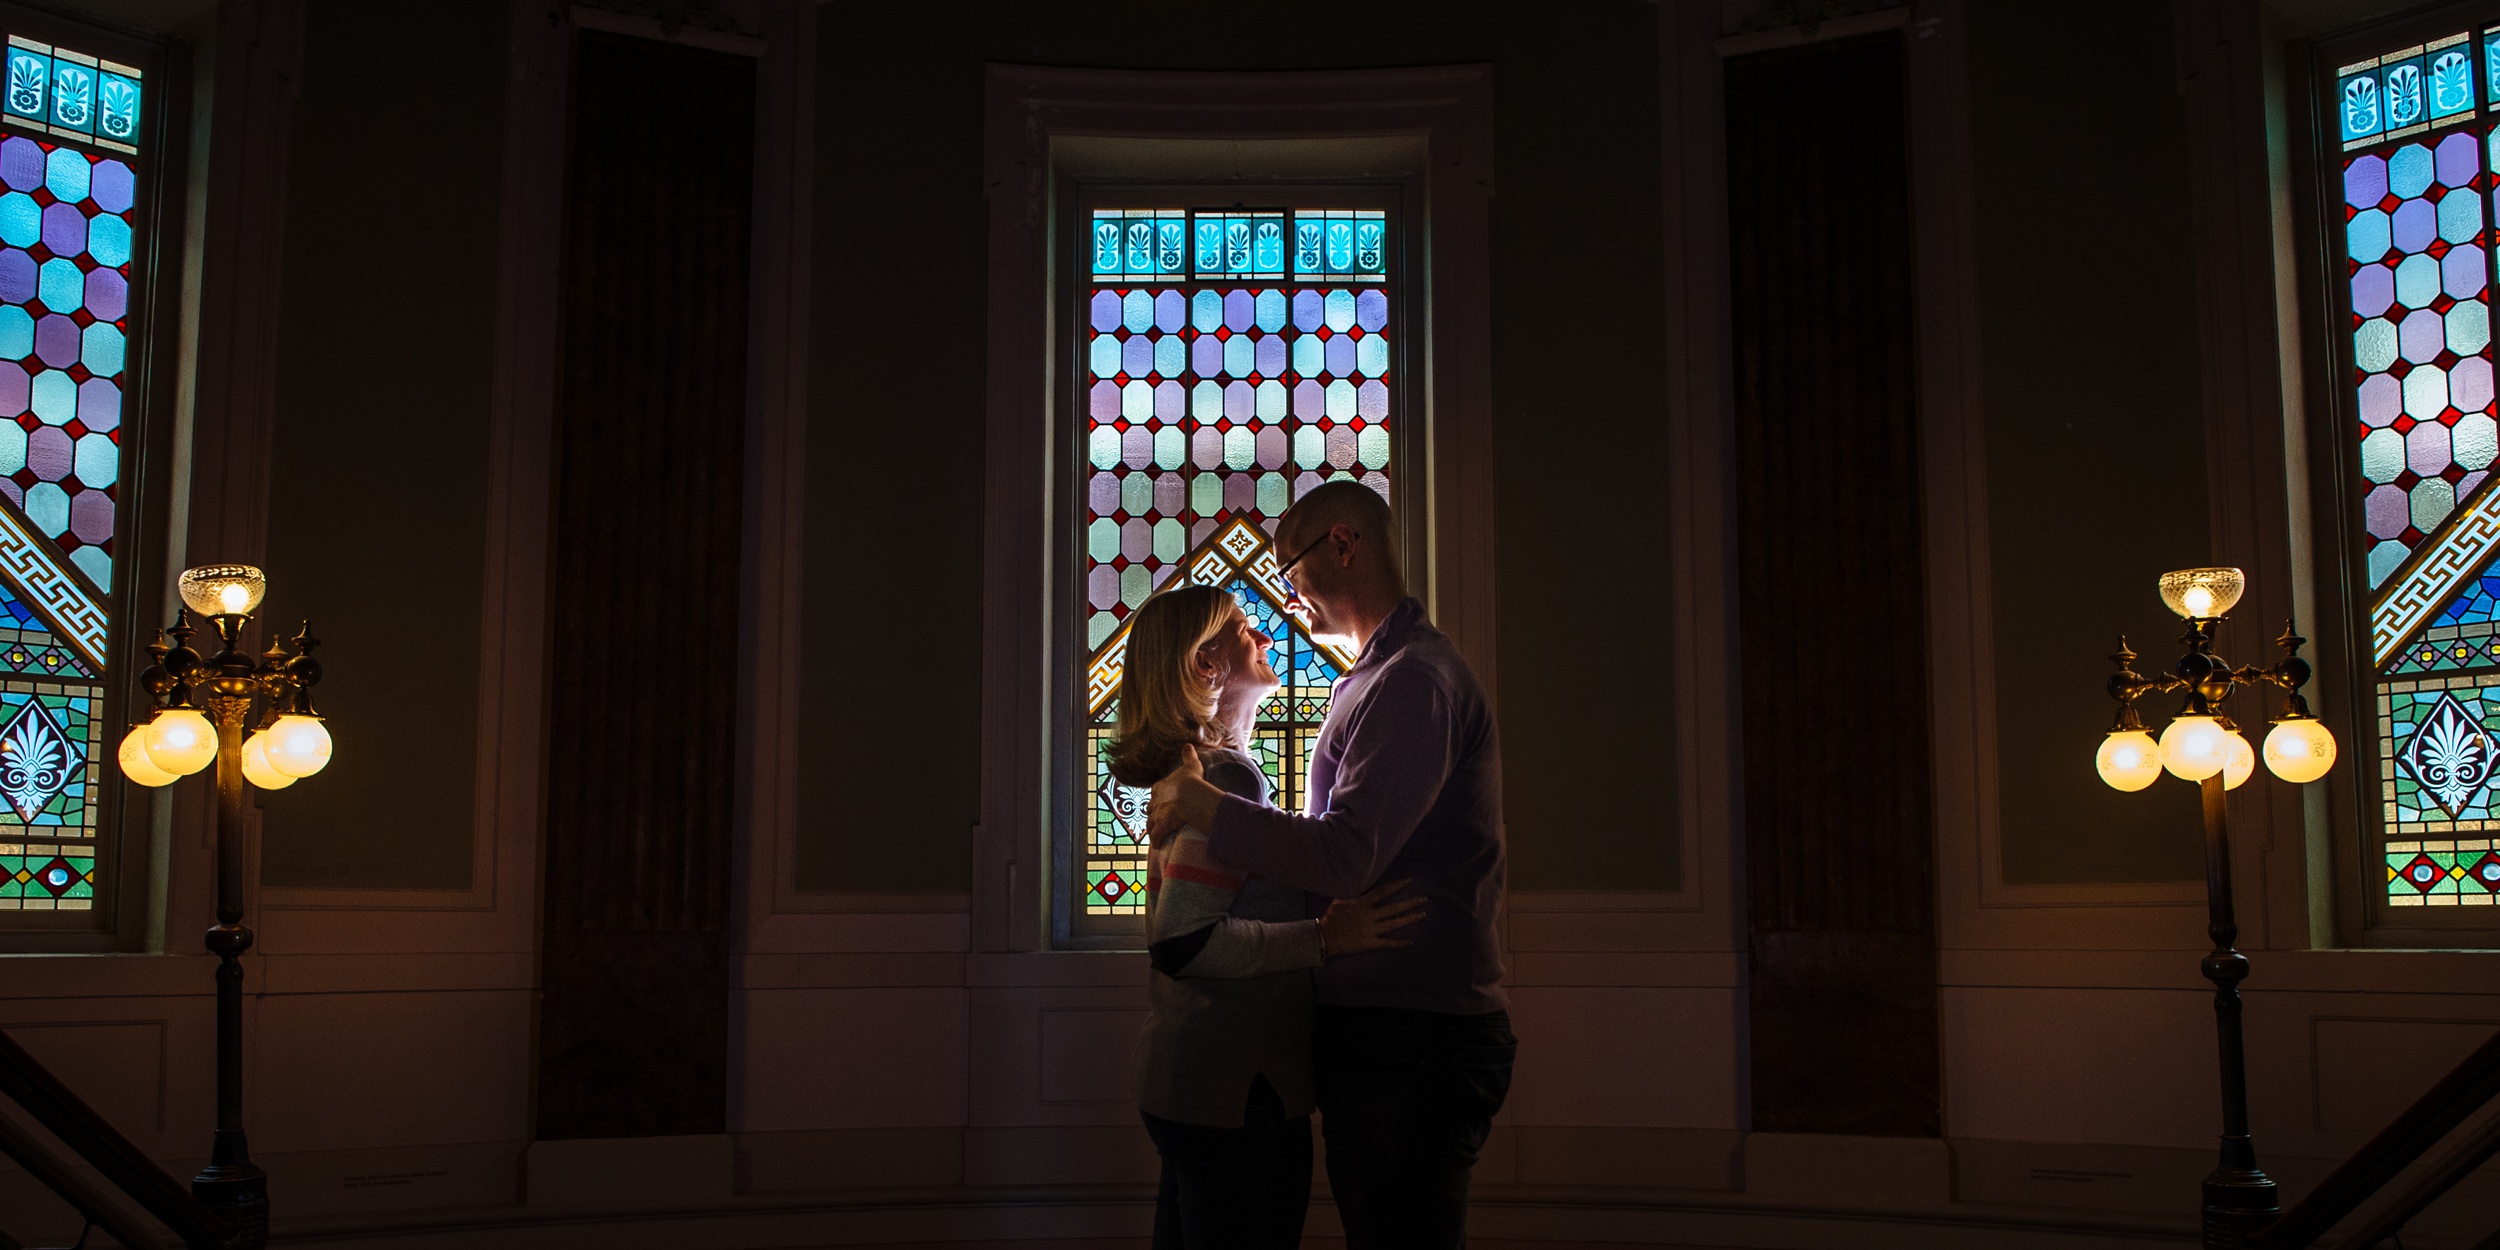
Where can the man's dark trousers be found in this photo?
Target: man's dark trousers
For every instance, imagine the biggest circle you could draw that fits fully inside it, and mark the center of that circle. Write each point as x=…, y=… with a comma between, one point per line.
x=1405, y=1100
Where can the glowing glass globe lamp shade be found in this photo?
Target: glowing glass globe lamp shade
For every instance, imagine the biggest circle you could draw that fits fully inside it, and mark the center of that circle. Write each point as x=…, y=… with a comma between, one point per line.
x=2299, y=749
x=2202, y=594
x=135, y=762
x=2129, y=759
x=223, y=589
x=2193, y=747
x=256, y=766
x=180, y=741
x=299, y=745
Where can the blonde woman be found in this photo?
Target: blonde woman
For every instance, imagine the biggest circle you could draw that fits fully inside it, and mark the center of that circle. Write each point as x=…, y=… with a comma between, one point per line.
x=1224, y=1068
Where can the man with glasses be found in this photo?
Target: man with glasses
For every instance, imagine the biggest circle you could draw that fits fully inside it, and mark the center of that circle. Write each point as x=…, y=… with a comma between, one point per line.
x=1413, y=1044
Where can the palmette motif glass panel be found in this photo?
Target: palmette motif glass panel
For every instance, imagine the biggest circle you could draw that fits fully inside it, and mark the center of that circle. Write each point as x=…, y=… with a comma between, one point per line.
x=1234, y=358
x=70, y=128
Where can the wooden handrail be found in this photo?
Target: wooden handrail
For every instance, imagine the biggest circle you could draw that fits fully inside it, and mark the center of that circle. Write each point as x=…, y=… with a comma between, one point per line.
x=94, y=1140
x=2408, y=1137
x=83, y=1195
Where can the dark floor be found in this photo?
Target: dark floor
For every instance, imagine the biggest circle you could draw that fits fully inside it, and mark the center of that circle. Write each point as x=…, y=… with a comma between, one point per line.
x=1308, y=1243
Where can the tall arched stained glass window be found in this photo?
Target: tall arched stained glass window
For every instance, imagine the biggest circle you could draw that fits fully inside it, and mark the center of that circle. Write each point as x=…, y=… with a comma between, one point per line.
x=1233, y=359
x=71, y=225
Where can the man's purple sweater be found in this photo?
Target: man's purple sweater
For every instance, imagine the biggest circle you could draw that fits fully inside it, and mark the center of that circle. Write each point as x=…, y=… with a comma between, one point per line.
x=1406, y=782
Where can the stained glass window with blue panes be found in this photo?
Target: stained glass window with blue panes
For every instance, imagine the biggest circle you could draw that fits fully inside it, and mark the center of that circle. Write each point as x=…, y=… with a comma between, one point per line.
x=71, y=137
x=1224, y=375
x=2415, y=204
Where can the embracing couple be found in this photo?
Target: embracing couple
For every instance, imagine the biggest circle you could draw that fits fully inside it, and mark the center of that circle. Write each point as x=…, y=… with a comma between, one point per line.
x=1341, y=957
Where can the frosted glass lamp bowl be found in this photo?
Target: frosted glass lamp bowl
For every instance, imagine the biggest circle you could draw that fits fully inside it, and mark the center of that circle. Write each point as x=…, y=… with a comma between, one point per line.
x=223, y=589
x=2202, y=594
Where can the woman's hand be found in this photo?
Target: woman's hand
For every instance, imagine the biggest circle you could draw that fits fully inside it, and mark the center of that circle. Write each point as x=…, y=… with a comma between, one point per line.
x=1353, y=926
x=1169, y=805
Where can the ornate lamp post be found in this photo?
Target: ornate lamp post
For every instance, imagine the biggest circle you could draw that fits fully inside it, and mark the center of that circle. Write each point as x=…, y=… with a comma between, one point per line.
x=198, y=709
x=2201, y=744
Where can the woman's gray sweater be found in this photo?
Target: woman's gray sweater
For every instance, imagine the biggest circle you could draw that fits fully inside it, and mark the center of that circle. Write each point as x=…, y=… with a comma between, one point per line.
x=1231, y=984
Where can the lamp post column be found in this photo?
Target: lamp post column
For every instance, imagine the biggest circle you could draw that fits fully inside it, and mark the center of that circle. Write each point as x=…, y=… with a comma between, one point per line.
x=231, y=1185
x=2239, y=1198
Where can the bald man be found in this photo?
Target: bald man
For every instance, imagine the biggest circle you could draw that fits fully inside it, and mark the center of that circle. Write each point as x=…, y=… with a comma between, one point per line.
x=1413, y=1044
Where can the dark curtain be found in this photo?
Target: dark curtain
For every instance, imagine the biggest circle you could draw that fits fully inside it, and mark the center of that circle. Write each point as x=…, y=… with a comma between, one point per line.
x=1839, y=844
x=642, y=699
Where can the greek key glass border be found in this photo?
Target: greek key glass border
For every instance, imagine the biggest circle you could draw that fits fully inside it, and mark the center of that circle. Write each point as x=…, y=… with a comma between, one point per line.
x=1070, y=927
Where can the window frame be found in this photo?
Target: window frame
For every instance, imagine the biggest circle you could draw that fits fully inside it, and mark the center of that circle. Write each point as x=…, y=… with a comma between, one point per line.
x=1047, y=128
x=1071, y=928
x=2349, y=821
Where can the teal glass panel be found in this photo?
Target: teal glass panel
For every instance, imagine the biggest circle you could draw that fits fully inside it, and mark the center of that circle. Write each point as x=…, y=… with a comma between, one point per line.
x=29, y=92
x=2403, y=93
x=2449, y=79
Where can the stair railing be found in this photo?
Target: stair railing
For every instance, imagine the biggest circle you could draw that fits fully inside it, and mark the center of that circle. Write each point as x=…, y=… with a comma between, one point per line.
x=97, y=1143
x=2431, y=1118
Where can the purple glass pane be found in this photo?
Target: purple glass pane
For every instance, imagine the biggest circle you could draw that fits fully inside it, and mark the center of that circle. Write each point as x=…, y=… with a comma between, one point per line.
x=21, y=164
x=64, y=230
x=2419, y=337
x=1271, y=356
x=1170, y=311
x=111, y=186
x=2460, y=273
x=1102, y=494
x=2469, y=385
x=17, y=276
x=2373, y=289
x=1341, y=356
x=1105, y=400
x=1239, y=310
x=91, y=516
x=2416, y=223
x=2382, y=400
x=2459, y=158
x=1206, y=355
x=56, y=341
x=1105, y=311
x=1371, y=310
x=49, y=452
x=1169, y=400
x=2386, y=512
x=108, y=293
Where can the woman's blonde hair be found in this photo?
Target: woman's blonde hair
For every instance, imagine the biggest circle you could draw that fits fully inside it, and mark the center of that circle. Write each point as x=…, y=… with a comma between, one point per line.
x=1165, y=706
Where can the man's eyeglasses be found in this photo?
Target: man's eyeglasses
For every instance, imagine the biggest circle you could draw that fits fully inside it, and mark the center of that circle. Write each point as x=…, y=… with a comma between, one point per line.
x=1284, y=570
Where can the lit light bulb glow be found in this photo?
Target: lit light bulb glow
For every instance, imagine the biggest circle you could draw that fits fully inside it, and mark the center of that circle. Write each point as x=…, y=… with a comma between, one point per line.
x=2128, y=760
x=2300, y=750
x=256, y=766
x=181, y=741
x=299, y=745
x=2242, y=764
x=2192, y=748
x=135, y=762
x=234, y=597
x=2200, y=601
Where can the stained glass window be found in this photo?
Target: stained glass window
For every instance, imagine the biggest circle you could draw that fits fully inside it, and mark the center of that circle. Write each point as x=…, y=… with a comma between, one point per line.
x=1234, y=358
x=70, y=135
